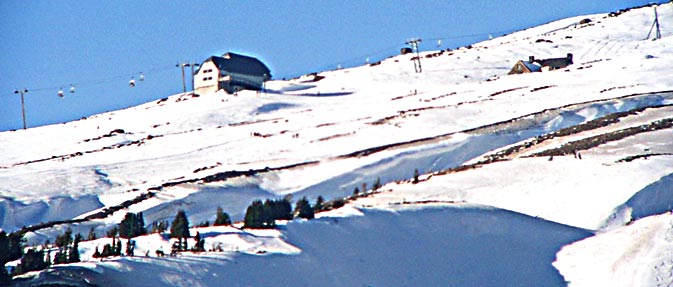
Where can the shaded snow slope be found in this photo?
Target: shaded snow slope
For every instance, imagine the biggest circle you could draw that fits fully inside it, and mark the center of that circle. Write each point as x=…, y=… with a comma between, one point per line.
x=656, y=198
x=432, y=246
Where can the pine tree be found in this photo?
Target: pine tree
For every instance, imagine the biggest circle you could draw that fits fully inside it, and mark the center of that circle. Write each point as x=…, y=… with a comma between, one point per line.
x=46, y=247
x=159, y=227
x=253, y=215
x=356, y=191
x=113, y=232
x=377, y=184
x=5, y=279
x=4, y=249
x=130, y=246
x=16, y=244
x=199, y=245
x=11, y=248
x=107, y=251
x=92, y=234
x=73, y=256
x=118, y=248
x=126, y=226
x=338, y=203
x=416, y=175
x=319, y=204
x=303, y=209
x=280, y=209
x=62, y=241
x=221, y=218
x=61, y=257
x=140, y=225
x=284, y=209
x=132, y=225
x=268, y=215
x=32, y=260
x=264, y=215
x=180, y=228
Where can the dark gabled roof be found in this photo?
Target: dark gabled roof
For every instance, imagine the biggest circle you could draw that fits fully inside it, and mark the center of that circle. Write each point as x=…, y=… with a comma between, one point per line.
x=533, y=67
x=241, y=64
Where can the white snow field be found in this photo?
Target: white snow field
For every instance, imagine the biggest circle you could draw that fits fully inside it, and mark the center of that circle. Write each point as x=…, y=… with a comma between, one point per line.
x=512, y=169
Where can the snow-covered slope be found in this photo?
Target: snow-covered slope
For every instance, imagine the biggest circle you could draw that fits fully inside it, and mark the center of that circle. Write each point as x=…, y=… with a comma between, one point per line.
x=587, y=147
x=429, y=246
x=634, y=255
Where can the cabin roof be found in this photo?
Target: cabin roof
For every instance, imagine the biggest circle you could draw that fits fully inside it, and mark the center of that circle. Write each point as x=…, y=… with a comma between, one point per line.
x=241, y=64
x=533, y=67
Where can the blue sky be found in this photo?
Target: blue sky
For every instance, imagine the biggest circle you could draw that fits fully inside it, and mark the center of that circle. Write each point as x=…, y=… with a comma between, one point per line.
x=97, y=46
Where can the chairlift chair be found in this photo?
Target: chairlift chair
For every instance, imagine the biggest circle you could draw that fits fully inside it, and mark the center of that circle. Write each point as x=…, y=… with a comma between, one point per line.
x=60, y=93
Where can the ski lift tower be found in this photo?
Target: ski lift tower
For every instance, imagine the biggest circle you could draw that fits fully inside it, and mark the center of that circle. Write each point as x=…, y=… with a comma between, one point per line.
x=417, y=59
x=23, y=105
x=655, y=24
x=182, y=66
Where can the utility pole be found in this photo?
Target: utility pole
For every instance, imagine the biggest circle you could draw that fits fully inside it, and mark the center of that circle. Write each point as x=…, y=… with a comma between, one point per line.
x=193, y=65
x=417, y=60
x=657, y=34
x=23, y=105
x=182, y=66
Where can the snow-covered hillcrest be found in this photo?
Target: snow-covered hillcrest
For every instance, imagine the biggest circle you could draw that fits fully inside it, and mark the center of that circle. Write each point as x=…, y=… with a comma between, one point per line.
x=562, y=154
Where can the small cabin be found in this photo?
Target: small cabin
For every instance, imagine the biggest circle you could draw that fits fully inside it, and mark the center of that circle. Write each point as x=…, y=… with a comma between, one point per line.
x=539, y=65
x=522, y=67
x=232, y=73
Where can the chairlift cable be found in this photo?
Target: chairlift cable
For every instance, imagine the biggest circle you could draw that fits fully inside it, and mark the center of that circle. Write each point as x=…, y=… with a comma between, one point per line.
x=96, y=82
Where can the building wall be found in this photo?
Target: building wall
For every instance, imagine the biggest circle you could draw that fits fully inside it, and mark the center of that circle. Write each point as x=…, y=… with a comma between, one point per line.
x=206, y=80
x=210, y=79
x=246, y=81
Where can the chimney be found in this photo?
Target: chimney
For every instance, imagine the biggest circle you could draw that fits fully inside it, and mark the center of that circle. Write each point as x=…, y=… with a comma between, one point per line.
x=531, y=59
x=570, y=58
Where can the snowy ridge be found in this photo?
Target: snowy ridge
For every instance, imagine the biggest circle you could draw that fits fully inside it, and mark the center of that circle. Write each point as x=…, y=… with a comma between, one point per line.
x=635, y=255
x=562, y=154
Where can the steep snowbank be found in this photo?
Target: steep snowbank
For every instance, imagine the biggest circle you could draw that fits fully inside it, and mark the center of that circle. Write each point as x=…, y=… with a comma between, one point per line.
x=634, y=255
